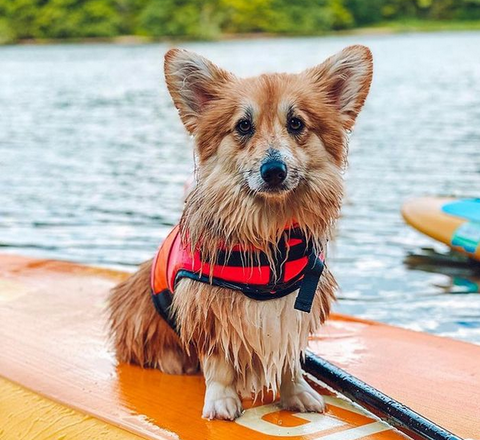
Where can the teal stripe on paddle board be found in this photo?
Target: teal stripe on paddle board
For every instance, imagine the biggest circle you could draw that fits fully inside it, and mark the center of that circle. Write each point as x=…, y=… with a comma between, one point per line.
x=467, y=236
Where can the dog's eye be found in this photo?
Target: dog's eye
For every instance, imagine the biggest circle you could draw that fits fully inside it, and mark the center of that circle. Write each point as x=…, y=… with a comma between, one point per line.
x=295, y=125
x=244, y=127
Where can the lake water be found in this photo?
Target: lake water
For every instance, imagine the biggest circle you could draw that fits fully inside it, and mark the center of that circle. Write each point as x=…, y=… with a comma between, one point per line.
x=93, y=159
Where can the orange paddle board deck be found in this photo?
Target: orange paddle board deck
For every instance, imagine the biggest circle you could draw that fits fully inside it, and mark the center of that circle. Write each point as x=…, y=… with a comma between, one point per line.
x=59, y=378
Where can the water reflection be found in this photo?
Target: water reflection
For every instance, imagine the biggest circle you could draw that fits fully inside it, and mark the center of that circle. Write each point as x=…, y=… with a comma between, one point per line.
x=463, y=273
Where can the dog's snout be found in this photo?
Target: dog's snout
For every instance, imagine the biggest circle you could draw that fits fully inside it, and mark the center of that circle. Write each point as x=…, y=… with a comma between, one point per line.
x=273, y=172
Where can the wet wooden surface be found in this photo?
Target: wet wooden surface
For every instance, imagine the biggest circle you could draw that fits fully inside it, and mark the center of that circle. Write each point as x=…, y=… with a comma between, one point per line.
x=53, y=342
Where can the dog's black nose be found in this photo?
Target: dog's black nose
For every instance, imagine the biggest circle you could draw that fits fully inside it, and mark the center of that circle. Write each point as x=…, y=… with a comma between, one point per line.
x=273, y=172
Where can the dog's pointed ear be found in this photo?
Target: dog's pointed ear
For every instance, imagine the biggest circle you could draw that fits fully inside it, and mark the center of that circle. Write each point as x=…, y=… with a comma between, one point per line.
x=193, y=82
x=345, y=77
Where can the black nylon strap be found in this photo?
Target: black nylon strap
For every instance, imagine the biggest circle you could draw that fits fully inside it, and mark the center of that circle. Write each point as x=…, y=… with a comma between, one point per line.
x=163, y=302
x=260, y=293
x=305, y=296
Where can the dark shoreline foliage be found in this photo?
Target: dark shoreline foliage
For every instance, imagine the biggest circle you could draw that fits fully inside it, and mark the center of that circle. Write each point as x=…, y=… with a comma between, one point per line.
x=212, y=19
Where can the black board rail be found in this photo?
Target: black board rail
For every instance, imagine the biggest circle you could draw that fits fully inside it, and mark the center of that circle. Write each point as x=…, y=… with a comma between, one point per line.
x=387, y=409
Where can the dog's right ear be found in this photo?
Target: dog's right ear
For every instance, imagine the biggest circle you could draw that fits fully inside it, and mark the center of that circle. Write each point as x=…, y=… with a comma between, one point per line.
x=345, y=78
x=193, y=82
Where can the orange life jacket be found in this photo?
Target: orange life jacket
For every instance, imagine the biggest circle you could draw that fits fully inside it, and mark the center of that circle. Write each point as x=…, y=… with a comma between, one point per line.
x=297, y=267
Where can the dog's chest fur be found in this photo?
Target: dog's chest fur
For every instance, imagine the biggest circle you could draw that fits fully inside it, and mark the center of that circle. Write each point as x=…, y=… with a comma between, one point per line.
x=260, y=338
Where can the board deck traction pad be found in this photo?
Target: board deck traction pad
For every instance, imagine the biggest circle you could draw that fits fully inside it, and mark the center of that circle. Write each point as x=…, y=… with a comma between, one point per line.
x=469, y=209
x=54, y=348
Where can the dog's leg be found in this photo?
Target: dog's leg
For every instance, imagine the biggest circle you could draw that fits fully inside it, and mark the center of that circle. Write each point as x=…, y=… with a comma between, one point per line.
x=221, y=397
x=139, y=334
x=173, y=360
x=297, y=395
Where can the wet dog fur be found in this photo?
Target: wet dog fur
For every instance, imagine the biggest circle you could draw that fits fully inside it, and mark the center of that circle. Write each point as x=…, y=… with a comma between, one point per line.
x=244, y=346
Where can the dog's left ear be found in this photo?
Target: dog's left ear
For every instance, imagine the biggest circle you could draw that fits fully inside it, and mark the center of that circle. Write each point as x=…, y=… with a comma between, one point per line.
x=345, y=77
x=193, y=82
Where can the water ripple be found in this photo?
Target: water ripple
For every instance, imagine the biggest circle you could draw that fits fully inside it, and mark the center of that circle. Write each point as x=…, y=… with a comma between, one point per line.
x=93, y=159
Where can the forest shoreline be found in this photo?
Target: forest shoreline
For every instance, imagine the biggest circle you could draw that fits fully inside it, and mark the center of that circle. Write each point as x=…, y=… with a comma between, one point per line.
x=387, y=28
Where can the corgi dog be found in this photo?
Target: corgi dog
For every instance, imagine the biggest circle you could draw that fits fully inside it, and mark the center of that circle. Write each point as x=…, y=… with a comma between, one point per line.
x=240, y=283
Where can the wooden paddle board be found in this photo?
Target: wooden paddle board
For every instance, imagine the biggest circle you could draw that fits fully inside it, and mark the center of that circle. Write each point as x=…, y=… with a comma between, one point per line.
x=59, y=378
x=455, y=222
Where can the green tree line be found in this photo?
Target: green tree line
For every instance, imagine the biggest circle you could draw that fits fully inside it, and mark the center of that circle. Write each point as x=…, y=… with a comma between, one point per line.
x=47, y=19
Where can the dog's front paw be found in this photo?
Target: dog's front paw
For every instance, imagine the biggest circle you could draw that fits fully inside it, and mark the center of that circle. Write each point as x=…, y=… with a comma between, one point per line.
x=300, y=396
x=222, y=403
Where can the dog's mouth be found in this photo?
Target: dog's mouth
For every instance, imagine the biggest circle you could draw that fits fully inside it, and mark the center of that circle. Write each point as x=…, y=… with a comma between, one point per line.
x=275, y=191
x=265, y=190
